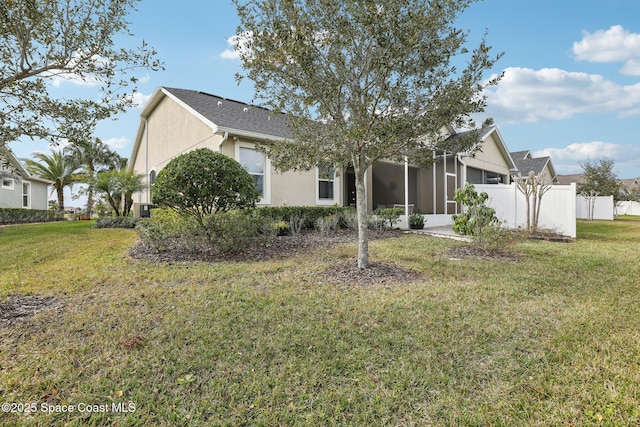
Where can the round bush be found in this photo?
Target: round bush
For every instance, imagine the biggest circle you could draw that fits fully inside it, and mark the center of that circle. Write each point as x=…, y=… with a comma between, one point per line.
x=203, y=182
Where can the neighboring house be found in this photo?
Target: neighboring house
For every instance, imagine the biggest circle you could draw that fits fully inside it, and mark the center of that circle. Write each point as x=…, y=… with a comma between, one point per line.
x=20, y=189
x=540, y=166
x=175, y=121
x=578, y=178
x=630, y=186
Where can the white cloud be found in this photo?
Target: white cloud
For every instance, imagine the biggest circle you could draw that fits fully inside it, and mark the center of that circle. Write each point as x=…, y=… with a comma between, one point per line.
x=139, y=99
x=238, y=44
x=117, y=143
x=526, y=95
x=567, y=160
x=613, y=45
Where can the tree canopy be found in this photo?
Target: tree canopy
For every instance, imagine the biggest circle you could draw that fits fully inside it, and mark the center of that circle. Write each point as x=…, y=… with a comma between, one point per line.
x=600, y=178
x=363, y=80
x=65, y=39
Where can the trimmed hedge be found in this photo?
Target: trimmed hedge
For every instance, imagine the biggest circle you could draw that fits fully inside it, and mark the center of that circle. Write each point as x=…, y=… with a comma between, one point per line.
x=23, y=216
x=311, y=214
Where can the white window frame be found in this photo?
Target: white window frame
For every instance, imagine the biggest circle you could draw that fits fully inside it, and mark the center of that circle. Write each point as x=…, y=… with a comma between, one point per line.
x=336, y=186
x=266, y=196
x=28, y=195
x=11, y=184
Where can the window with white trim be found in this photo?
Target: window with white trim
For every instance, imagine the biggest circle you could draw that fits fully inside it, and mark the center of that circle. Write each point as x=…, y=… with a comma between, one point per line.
x=326, y=177
x=7, y=184
x=256, y=164
x=26, y=195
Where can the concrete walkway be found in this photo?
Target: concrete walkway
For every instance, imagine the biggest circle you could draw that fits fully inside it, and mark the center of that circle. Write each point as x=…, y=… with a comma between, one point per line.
x=445, y=232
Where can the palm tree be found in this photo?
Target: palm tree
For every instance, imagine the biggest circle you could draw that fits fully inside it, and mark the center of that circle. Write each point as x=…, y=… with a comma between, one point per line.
x=56, y=167
x=118, y=184
x=92, y=157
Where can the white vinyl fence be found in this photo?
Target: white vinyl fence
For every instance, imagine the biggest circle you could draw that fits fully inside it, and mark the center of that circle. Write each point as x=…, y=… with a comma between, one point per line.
x=628, y=208
x=557, y=209
x=603, y=208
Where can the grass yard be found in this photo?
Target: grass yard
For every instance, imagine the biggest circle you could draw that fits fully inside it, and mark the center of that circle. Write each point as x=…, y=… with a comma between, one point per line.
x=550, y=339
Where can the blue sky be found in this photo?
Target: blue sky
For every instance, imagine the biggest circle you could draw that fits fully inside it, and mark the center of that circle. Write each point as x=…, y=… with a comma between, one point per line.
x=571, y=88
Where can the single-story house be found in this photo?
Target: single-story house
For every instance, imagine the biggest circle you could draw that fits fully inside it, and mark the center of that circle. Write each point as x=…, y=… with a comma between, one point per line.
x=175, y=121
x=541, y=166
x=20, y=189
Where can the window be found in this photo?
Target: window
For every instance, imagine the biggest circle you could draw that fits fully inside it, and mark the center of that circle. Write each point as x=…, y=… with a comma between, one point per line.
x=327, y=185
x=325, y=182
x=255, y=163
x=26, y=199
x=7, y=184
x=152, y=177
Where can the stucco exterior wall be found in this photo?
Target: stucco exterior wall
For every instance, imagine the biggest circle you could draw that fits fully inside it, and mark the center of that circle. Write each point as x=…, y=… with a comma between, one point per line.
x=170, y=131
x=489, y=158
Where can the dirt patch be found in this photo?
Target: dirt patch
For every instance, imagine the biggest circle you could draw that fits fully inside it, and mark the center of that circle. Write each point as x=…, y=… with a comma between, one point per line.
x=19, y=307
x=475, y=252
x=280, y=247
x=378, y=273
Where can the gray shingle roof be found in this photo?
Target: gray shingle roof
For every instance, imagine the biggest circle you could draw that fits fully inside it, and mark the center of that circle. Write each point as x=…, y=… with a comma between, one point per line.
x=519, y=155
x=527, y=165
x=230, y=114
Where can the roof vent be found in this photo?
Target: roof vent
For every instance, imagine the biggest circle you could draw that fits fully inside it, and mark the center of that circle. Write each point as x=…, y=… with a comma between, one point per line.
x=245, y=109
x=219, y=103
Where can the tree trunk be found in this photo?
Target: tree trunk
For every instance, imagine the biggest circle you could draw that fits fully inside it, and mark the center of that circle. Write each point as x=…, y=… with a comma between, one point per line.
x=60, y=193
x=361, y=208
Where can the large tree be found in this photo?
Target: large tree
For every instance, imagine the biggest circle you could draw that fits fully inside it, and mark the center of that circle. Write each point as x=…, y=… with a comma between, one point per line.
x=56, y=167
x=363, y=80
x=600, y=179
x=65, y=39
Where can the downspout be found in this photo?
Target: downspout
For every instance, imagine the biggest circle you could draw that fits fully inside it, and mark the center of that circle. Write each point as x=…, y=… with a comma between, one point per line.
x=146, y=161
x=224, y=138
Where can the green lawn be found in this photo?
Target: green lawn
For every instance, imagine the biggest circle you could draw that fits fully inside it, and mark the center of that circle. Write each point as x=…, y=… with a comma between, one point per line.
x=550, y=339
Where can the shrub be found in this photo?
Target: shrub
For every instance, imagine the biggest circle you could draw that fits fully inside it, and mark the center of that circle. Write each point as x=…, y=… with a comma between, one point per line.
x=22, y=216
x=203, y=182
x=309, y=213
x=416, y=221
x=390, y=216
x=325, y=224
x=166, y=229
x=477, y=214
x=231, y=231
x=116, y=222
x=481, y=222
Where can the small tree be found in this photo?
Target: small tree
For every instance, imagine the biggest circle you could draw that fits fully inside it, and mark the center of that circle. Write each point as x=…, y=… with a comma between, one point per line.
x=600, y=178
x=118, y=186
x=590, y=199
x=382, y=78
x=202, y=182
x=57, y=168
x=533, y=188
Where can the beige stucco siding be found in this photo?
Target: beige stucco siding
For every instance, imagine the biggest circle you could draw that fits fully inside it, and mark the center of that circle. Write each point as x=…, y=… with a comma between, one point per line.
x=170, y=131
x=489, y=158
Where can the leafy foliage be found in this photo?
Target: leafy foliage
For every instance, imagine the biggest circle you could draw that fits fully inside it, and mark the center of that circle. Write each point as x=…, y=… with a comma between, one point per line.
x=390, y=216
x=56, y=167
x=480, y=221
x=119, y=184
x=22, y=216
x=416, y=221
x=73, y=40
x=116, y=222
x=477, y=214
x=203, y=182
x=600, y=178
x=380, y=77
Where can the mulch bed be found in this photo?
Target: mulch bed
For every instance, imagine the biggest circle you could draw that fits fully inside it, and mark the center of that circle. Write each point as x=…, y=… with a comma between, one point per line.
x=280, y=247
